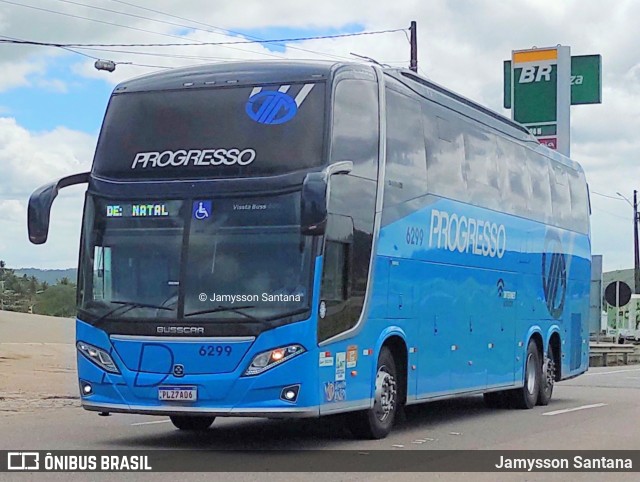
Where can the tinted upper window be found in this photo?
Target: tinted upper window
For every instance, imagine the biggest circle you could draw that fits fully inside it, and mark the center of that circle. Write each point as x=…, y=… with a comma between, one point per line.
x=216, y=132
x=445, y=154
x=355, y=126
x=579, y=201
x=406, y=168
x=560, y=195
x=481, y=152
x=540, y=205
x=516, y=186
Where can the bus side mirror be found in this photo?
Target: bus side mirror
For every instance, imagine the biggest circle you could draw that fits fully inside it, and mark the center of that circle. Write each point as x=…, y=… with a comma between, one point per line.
x=314, y=203
x=40, y=205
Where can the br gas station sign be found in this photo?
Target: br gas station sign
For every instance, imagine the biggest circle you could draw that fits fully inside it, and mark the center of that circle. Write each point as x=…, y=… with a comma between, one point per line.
x=540, y=85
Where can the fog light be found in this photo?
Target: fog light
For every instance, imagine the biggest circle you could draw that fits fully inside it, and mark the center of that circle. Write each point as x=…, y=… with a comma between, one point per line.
x=86, y=388
x=290, y=393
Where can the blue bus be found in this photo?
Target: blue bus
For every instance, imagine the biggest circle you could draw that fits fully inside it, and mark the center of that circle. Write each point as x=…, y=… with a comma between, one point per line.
x=299, y=239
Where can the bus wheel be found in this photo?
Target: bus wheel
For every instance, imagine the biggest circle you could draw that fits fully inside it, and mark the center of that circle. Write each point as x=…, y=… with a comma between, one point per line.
x=547, y=379
x=527, y=396
x=198, y=423
x=376, y=423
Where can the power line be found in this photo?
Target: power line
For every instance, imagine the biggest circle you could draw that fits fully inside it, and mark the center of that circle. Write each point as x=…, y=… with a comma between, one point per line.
x=616, y=198
x=189, y=44
x=610, y=214
x=149, y=19
x=226, y=32
x=155, y=54
x=104, y=22
x=98, y=58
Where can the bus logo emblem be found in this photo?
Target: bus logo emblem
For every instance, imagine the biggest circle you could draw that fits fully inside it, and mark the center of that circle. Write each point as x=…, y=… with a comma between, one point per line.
x=271, y=107
x=178, y=371
x=554, y=276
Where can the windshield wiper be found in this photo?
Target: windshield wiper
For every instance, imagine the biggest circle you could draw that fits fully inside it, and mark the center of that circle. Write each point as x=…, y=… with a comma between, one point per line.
x=126, y=306
x=232, y=309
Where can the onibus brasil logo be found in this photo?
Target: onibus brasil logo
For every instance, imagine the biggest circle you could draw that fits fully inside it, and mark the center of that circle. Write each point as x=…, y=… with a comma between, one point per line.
x=554, y=275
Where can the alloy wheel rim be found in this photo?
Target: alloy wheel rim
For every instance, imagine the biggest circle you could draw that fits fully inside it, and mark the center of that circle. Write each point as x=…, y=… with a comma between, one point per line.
x=385, y=396
x=531, y=374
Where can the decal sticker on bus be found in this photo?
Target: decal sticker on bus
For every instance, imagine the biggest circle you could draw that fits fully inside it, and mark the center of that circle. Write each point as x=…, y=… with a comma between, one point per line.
x=335, y=391
x=456, y=232
x=196, y=157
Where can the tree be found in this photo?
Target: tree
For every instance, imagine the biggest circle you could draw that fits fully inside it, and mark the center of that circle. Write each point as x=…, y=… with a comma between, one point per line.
x=57, y=300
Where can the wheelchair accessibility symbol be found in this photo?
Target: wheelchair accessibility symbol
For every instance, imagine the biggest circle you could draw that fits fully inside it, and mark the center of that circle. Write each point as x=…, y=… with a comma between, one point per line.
x=201, y=210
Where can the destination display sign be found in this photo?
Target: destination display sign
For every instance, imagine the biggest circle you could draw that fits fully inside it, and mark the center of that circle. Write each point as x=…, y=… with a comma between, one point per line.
x=154, y=209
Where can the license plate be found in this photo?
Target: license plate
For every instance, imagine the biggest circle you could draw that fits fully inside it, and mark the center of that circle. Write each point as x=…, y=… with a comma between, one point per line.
x=178, y=394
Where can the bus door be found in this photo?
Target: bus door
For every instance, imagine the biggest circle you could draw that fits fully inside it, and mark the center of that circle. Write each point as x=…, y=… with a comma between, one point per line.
x=500, y=337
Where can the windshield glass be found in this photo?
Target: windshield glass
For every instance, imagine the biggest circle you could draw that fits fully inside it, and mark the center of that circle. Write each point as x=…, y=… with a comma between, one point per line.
x=199, y=259
x=217, y=132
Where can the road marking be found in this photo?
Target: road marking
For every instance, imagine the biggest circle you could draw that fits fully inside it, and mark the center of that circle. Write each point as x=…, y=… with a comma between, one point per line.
x=614, y=371
x=150, y=423
x=575, y=409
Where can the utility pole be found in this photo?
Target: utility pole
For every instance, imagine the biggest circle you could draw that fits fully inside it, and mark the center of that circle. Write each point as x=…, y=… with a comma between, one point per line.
x=413, y=63
x=636, y=267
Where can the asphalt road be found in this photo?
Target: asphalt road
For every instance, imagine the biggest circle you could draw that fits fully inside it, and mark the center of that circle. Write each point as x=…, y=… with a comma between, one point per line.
x=599, y=410
x=596, y=411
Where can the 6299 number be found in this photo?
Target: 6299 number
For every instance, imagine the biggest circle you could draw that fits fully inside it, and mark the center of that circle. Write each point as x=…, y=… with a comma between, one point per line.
x=415, y=236
x=215, y=350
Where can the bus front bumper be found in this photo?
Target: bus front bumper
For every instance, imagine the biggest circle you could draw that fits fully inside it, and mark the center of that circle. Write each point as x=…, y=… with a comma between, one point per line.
x=280, y=412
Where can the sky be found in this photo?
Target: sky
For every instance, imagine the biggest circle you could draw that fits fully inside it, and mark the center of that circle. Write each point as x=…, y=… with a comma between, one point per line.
x=52, y=101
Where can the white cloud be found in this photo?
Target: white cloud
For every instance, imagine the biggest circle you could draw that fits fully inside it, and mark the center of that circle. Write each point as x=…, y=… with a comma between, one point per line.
x=16, y=74
x=27, y=161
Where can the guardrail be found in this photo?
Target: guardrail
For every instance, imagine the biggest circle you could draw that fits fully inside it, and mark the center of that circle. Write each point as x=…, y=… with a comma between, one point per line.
x=612, y=354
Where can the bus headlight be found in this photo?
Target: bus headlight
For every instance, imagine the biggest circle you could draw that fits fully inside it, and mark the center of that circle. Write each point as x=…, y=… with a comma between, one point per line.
x=269, y=359
x=97, y=356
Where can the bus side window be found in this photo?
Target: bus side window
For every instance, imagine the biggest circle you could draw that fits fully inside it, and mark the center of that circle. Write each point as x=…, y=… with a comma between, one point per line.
x=335, y=275
x=445, y=155
x=480, y=150
x=516, y=181
x=560, y=196
x=339, y=286
x=540, y=205
x=355, y=126
x=579, y=202
x=406, y=168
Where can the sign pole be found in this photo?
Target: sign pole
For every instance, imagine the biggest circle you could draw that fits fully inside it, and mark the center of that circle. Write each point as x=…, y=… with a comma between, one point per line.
x=636, y=267
x=617, y=307
x=413, y=63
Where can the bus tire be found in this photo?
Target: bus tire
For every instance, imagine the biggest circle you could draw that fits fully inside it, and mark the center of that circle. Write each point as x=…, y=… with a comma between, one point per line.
x=527, y=396
x=547, y=379
x=192, y=423
x=376, y=422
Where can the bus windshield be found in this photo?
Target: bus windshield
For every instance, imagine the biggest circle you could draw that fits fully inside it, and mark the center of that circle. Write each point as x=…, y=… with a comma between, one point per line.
x=213, y=132
x=198, y=259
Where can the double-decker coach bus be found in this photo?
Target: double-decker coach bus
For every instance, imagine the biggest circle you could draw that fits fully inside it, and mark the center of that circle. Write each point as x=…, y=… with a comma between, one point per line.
x=297, y=239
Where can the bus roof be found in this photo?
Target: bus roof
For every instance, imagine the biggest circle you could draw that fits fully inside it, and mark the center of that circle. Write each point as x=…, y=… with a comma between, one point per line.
x=230, y=73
